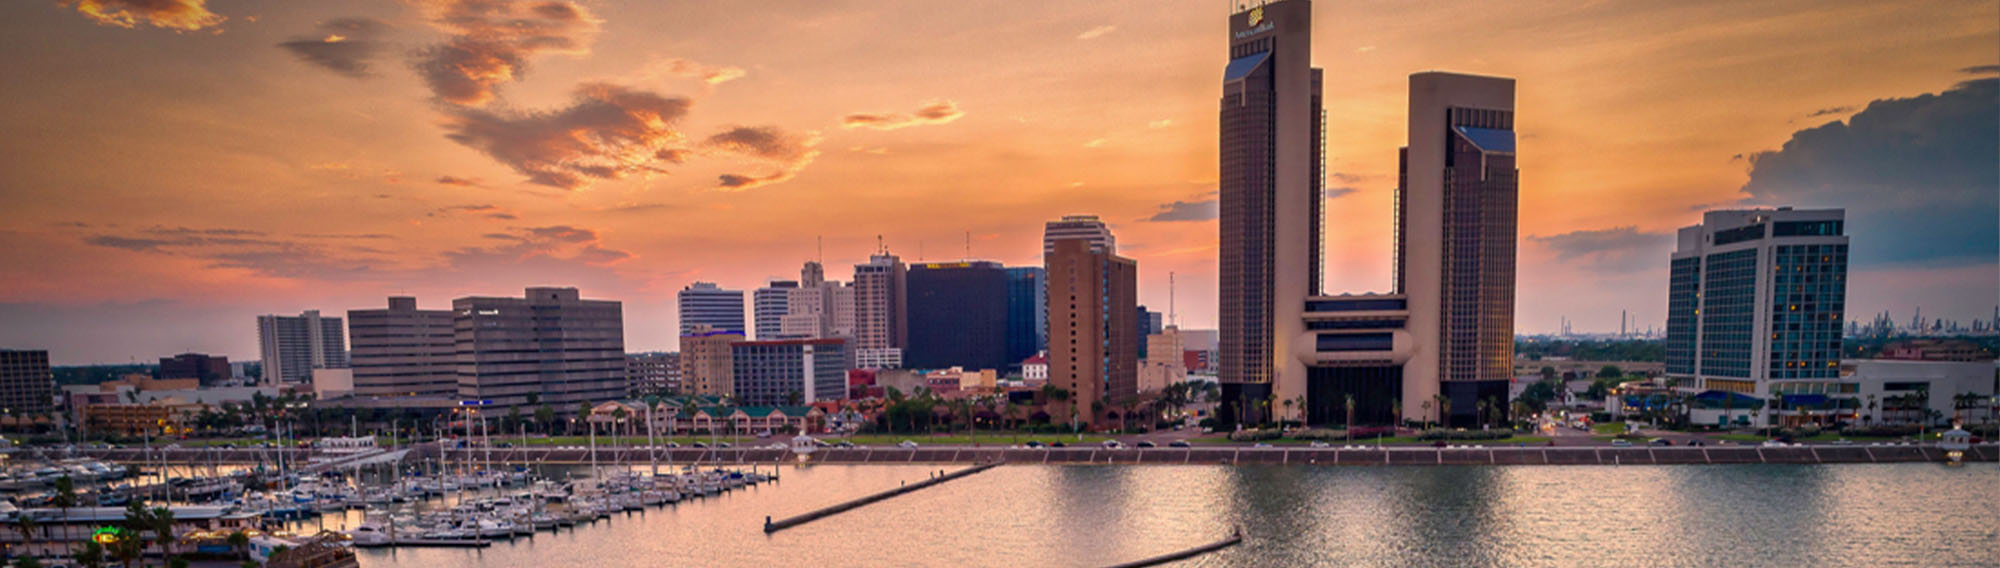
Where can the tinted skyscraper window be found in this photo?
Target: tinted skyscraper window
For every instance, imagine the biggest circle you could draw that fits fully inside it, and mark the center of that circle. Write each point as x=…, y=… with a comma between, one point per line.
x=958, y=316
x=1027, y=315
x=704, y=303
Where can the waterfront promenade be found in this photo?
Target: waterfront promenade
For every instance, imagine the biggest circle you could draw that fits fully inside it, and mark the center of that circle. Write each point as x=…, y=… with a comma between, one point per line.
x=1224, y=455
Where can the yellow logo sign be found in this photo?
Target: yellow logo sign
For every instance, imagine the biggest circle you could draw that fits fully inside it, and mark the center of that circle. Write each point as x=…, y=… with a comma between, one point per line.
x=1257, y=15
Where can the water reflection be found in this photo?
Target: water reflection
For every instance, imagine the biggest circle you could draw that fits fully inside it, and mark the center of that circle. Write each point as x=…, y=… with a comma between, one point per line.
x=1752, y=515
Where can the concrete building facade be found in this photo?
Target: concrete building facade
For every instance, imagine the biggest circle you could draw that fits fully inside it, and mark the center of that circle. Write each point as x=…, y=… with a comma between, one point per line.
x=292, y=346
x=551, y=343
x=1093, y=332
x=768, y=306
x=209, y=370
x=27, y=386
x=1086, y=227
x=654, y=372
x=1271, y=179
x=706, y=360
x=789, y=371
x=404, y=351
x=881, y=309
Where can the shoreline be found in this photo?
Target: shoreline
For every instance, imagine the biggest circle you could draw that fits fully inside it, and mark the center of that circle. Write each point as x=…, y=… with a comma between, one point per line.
x=1210, y=455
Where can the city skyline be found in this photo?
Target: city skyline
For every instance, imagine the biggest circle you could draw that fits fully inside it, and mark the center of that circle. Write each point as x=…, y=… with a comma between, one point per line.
x=198, y=193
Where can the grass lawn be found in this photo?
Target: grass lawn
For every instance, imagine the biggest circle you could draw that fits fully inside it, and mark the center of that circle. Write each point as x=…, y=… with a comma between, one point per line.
x=1608, y=428
x=1386, y=441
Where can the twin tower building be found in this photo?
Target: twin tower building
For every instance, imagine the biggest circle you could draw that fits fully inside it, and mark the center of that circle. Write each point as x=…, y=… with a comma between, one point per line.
x=1438, y=345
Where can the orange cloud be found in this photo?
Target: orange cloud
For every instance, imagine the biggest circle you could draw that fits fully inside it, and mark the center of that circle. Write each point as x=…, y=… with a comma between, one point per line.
x=607, y=133
x=492, y=41
x=177, y=15
x=711, y=74
x=934, y=112
x=790, y=152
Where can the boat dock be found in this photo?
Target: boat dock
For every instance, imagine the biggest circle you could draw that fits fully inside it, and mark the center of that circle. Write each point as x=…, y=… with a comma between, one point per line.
x=789, y=522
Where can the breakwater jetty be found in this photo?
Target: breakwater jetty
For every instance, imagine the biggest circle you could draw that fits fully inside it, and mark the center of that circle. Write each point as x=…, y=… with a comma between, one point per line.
x=817, y=514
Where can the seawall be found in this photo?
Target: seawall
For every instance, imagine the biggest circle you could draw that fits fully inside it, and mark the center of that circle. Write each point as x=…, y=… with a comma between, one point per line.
x=1534, y=455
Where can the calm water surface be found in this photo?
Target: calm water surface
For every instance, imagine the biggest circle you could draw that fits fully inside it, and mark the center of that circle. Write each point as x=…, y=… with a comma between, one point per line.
x=1750, y=515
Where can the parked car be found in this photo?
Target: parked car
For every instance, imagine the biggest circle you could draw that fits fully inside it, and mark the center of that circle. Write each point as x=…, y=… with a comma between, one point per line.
x=701, y=444
x=906, y=444
x=1057, y=444
x=1319, y=444
x=843, y=444
x=1178, y=444
x=1112, y=444
x=1659, y=442
x=1621, y=443
x=673, y=444
x=1261, y=445
x=1034, y=444
x=1146, y=444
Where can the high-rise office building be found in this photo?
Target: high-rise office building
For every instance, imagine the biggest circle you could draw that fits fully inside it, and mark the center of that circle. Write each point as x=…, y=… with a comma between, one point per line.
x=1755, y=301
x=550, y=343
x=1027, y=312
x=958, y=315
x=1457, y=206
x=1093, y=300
x=1165, y=361
x=293, y=346
x=656, y=372
x=769, y=306
x=881, y=309
x=1086, y=227
x=210, y=370
x=704, y=303
x=1271, y=179
x=404, y=351
x=1150, y=322
x=789, y=371
x=706, y=360
x=27, y=386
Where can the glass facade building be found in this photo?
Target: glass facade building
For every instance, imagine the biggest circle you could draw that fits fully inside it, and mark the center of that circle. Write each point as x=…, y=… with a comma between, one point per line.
x=1027, y=312
x=1757, y=298
x=958, y=315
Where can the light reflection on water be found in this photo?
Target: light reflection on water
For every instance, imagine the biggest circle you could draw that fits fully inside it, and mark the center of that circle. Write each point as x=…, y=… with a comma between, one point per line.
x=1749, y=515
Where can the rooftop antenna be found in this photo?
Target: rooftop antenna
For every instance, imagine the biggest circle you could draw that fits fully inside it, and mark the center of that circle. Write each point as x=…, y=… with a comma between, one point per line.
x=820, y=242
x=1173, y=317
x=879, y=248
x=968, y=245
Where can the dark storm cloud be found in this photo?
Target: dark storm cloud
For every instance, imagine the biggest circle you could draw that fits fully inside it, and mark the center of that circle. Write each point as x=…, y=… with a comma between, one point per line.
x=1614, y=249
x=344, y=45
x=1919, y=176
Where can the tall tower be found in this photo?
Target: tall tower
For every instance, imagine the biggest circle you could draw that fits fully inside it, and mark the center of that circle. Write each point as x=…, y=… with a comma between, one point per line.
x=1093, y=327
x=1272, y=155
x=1455, y=242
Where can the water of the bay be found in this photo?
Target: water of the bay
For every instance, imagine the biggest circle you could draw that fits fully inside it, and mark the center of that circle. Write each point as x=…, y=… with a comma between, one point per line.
x=1743, y=515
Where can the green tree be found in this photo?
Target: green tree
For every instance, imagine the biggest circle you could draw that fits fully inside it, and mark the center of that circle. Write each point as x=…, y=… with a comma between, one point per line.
x=545, y=417
x=793, y=398
x=161, y=522
x=1548, y=373
x=1610, y=372
x=27, y=562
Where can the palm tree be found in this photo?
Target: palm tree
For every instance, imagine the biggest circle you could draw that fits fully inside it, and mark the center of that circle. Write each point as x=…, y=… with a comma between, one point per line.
x=161, y=521
x=65, y=495
x=1480, y=406
x=128, y=550
x=1396, y=412
x=239, y=542
x=1350, y=418
x=90, y=555
x=25, y=524
x=1427, y=414
x=27, y=562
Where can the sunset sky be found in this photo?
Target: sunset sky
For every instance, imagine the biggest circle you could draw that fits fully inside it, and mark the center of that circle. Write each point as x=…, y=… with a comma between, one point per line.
x=171, y=168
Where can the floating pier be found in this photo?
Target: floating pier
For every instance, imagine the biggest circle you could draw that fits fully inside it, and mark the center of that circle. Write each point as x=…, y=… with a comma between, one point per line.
x=771, y=526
